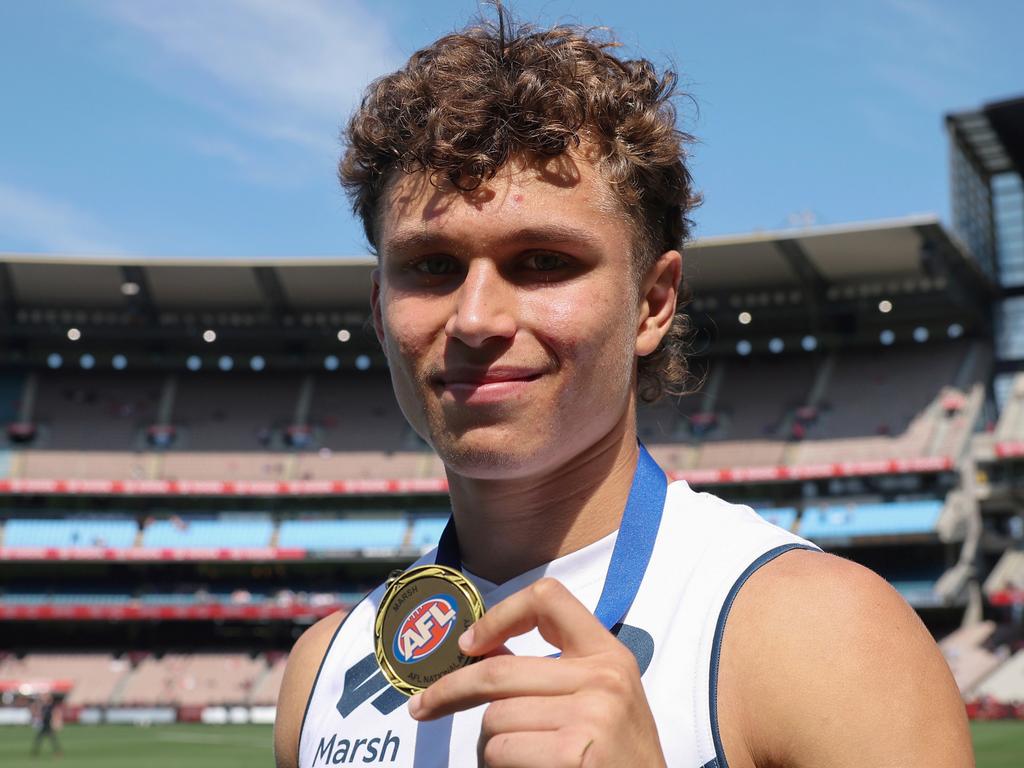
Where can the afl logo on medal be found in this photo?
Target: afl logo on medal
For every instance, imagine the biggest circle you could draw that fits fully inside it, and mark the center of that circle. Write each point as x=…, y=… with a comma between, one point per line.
x=420, y=619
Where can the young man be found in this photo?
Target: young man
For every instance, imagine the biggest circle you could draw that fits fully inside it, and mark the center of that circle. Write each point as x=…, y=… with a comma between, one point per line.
x=527, y=196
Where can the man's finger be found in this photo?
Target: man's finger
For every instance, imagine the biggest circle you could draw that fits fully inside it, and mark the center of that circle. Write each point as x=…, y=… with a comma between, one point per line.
x=528, y=713
x=528, y=749
x=547, y=605
x=494, y=678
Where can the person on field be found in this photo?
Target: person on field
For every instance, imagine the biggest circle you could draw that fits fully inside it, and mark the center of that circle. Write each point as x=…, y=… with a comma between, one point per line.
x=527, y=195
x=46, y=718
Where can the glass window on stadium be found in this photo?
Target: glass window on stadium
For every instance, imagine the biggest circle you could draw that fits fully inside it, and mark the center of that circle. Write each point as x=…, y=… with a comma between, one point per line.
x=972, y=210
x=1010, y=329
x=1008, y=212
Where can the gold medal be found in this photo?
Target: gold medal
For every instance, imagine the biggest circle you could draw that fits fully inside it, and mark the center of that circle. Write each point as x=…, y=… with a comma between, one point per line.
x=421, y=617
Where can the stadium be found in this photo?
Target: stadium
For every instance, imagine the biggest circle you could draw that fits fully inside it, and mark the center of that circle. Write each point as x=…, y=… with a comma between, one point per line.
x=200, y=458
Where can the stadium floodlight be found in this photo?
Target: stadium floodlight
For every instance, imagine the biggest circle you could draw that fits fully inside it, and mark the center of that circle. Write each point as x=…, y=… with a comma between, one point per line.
x=209, y=335
x=363, y=362
x=193, y=363
x=887, y=337
x=809, y=343
x=120, y=362
x=776, y=345
x=129, y=288
x=225, y=363
x=54, y=360
x=955, y=331
x=74, y=334
x=743, y=347
x=331, y=362
x=744, y=318
x=921, y=334
x=257, y=363
x=885, y=306
x=344, y=335
x=87, y=361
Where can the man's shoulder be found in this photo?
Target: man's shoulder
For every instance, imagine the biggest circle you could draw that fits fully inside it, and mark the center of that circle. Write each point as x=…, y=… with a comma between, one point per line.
x=820, y=652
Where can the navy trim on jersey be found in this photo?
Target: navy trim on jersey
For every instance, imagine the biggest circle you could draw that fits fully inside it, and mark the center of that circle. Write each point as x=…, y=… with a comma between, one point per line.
x=716, y=647
x=323, y=659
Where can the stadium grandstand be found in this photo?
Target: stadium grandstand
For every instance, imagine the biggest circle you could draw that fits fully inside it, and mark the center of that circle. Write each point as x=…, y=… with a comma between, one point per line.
x=200, y=458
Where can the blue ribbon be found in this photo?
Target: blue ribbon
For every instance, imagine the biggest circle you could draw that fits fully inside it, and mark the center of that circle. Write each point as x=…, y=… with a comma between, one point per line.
x=633, y=547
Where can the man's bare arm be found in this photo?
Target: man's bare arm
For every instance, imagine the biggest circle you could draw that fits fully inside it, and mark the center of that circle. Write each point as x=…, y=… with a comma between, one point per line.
x=299, y=675
x=823, y=663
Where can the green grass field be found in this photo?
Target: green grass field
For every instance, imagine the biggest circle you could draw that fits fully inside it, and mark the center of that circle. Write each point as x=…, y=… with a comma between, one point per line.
x=997, y=745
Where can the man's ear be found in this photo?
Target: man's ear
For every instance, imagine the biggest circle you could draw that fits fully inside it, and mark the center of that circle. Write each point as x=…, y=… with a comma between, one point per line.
x=659, y=292
x=378, y=320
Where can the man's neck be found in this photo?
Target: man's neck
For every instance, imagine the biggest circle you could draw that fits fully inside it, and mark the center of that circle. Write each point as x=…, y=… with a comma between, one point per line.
x=507, y=527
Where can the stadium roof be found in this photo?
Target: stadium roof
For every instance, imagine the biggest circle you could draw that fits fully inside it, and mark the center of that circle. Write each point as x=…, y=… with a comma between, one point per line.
x=993, y=135
x=907, y=250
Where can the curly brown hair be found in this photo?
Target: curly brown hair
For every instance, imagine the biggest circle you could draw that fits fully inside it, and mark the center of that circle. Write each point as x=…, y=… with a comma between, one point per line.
x=464, y=106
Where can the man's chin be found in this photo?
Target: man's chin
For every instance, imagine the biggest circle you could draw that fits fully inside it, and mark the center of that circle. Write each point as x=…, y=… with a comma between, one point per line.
x=482, y=459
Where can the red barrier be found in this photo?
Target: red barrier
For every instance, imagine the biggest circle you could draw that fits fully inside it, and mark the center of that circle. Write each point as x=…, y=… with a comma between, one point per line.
x=142, y=612
x=440, y=484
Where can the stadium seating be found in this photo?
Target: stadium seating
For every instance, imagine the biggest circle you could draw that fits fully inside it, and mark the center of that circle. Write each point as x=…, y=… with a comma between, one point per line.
x=232, y=411
x=357, y=413
x=784, y=517
x=884, y=519
x=969, y=659
x=113, y=532
x=426, y=531
x=265, y=687
x=95, y=676
x=81, y=410
x=345, y=534
x=1006, y=682
x=226, y=531
x=201, y=679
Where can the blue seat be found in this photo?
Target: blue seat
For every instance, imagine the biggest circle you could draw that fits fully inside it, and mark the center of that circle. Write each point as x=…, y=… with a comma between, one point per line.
x=784, y=517
x=426, y=531
x=70, y=533
x=221, y=532
x=901, y=518
x=349, y=533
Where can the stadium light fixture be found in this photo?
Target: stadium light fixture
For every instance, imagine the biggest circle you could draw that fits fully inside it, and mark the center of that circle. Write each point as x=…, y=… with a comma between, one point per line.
x=776, y=345
x=209, y=335
x=257, y=363
x=74, y=334
x=193, y=363
x=955, y=331
x=87, y=361
x=885, y=306
x=120, y=362
x=744, y=318
x=743, y=347
x=887, y=337
x=363, y=362
x=344, y=335
x=331, y=362
x=809, y=343
x=54, y=360
x=225, y=363
x=130, y=288
x=920, y=334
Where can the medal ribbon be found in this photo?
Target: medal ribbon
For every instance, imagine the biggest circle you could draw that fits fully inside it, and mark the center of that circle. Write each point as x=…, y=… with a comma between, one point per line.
x=633, y=546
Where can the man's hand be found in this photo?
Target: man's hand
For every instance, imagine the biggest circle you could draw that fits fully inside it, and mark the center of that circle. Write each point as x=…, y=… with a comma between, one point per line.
x=586, y=708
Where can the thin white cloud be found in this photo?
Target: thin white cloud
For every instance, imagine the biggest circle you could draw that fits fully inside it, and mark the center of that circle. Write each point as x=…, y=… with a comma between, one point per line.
x=49, y=225
x=288, y=70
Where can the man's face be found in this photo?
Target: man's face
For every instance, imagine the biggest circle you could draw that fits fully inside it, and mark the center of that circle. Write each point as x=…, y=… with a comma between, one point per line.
x=509, y=315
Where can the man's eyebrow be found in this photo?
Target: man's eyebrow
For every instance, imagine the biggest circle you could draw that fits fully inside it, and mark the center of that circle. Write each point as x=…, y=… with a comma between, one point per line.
x=534, y=234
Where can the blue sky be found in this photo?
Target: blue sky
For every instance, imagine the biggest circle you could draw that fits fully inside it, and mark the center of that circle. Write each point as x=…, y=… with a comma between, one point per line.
x=210, y=127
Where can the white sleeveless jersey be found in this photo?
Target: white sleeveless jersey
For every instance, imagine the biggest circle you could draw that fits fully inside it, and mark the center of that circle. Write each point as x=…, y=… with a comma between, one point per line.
x=705, y=550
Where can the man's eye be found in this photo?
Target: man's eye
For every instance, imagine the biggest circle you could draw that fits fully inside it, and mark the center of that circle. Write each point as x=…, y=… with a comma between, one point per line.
x=546, y=262
x=436, y=265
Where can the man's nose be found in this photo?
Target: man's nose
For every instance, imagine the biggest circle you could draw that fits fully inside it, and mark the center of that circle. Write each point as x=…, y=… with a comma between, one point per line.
x=484, y=306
